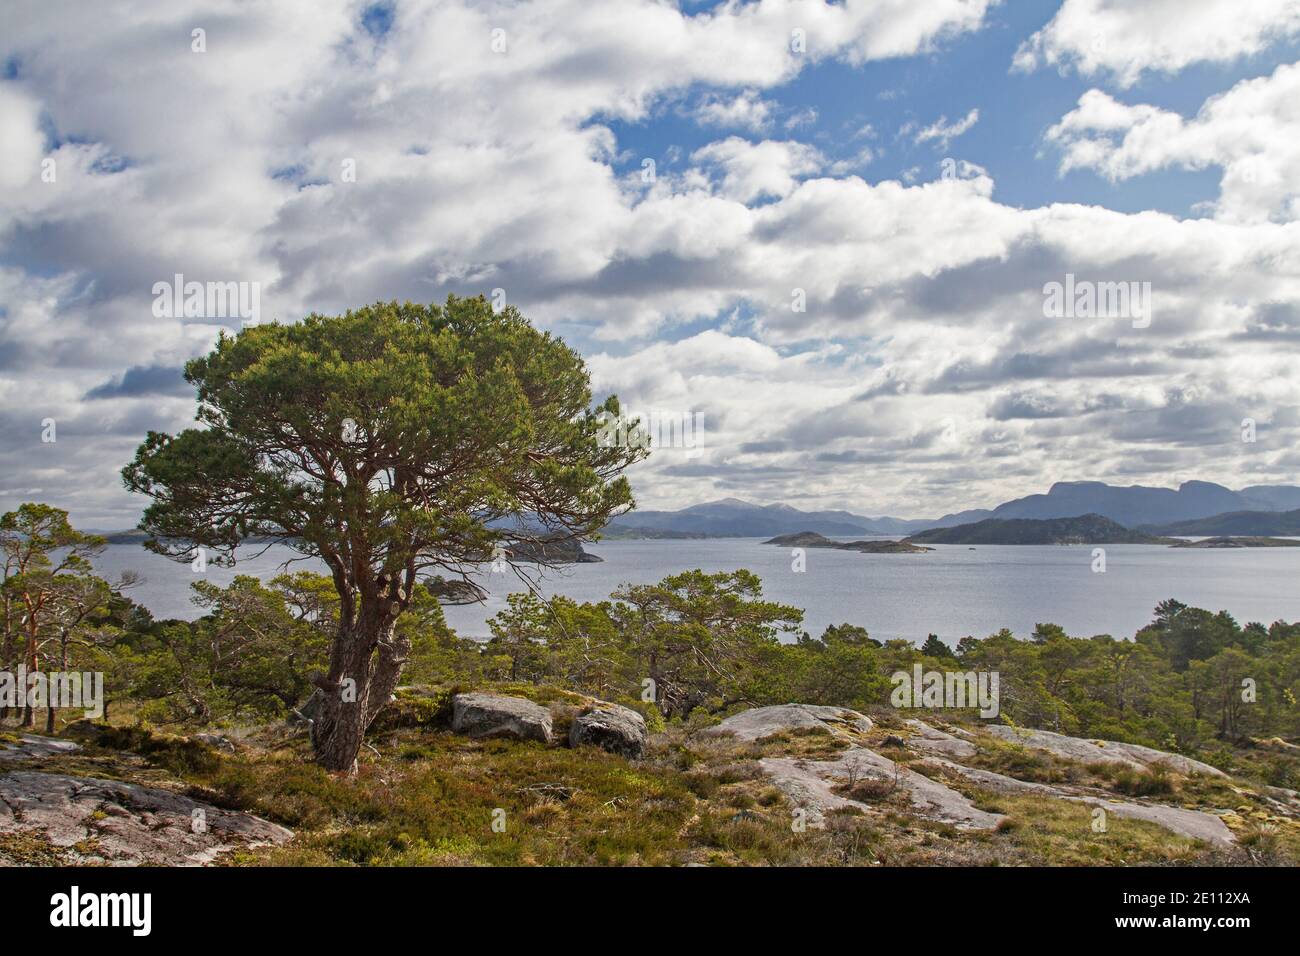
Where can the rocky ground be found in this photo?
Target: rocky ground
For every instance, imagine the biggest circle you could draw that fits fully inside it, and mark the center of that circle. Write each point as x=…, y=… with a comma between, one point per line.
x=79, y=820
x=586, y=781
x=823, y=785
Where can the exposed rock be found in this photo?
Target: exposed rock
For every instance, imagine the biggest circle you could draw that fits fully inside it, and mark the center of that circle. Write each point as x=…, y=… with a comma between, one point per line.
x=1190, y=823
x=809, y=784
x=30, y=746
x=765, y=721
x=934, y=740
x=107, y=821
x=216, y=741
x=1277, y=743
x=490, y=715
x=930, y=798
x=1196, y=824
x=995, y=781
x=619, y=730
x=1101, y=751
x=1286, y=802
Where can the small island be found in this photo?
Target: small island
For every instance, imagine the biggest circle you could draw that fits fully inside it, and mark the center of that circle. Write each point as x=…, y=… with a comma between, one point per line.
x=551, y=550
x=811, y=539
x=1240, y=542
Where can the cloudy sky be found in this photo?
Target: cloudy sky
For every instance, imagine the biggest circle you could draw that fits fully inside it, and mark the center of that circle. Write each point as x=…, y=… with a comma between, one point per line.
x=825, y=228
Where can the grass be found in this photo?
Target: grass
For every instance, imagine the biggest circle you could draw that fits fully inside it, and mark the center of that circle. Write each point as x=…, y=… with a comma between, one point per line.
x=1016, y=760
x=1157, y=781
x=428, y=797
x=438, y=804
x=1062, y=832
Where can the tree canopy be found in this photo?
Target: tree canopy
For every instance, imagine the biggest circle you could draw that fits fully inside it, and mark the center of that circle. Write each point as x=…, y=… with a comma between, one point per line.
x=389, y=442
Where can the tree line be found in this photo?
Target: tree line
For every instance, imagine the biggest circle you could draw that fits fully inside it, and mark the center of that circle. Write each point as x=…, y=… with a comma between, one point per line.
x=683, y=650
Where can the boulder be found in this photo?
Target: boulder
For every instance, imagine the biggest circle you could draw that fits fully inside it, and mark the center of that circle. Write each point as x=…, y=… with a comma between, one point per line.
x=761, y=722
x=619, y=730
x=215, y=741
x=491, y=715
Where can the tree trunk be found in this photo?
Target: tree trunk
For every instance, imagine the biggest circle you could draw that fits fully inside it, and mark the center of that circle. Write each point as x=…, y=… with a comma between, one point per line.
x=29, y=712
x=49, y=710
x=365, y=665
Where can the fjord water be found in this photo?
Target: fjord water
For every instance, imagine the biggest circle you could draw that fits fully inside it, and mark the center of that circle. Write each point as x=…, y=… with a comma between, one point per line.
x=952, y=591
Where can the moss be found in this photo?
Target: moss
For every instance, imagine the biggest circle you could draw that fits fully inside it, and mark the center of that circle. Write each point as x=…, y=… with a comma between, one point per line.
x=415, y=707
x=27, y=848
x=177, y=755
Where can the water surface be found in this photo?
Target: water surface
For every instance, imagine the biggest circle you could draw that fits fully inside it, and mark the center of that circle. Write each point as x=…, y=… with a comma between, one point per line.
x=952, y=591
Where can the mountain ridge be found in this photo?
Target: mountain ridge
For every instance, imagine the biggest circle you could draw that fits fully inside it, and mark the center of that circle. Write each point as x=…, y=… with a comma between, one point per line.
x=1235, y=523
x=1081, y=529
x=1133, y=506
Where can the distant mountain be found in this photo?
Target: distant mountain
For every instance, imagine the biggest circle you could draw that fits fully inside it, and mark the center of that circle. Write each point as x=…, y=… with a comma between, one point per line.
x=1236, y=523
x=1136, y=505
x=1081, y=529
x=734, y=518
x=616, y=532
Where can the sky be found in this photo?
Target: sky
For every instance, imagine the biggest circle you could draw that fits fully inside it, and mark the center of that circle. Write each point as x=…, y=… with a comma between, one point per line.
x=823, y=231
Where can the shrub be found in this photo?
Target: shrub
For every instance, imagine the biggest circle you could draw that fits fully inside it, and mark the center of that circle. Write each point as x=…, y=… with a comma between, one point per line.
x=1136, y=783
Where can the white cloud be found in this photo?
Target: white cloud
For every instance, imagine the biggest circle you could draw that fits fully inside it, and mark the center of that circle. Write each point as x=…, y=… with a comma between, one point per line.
x=753, y=170
x=22, y=145
x=1252, y=132
x=747, y=111
x=942, y=133
x=1126, y=38
x=476, y=170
